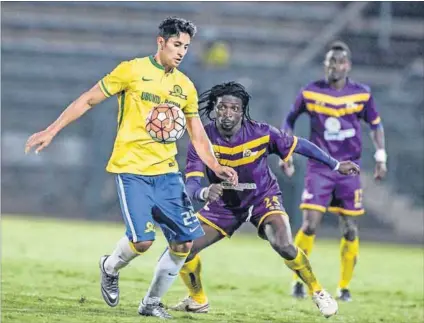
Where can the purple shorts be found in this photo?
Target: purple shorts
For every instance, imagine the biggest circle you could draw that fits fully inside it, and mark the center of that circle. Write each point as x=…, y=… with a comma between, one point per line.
x=328, y=190
x=227, y=221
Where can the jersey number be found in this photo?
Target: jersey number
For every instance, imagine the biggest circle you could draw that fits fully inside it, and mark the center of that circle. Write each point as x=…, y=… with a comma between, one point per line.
x=189, y=218
x=272, y=203
x=358, y=199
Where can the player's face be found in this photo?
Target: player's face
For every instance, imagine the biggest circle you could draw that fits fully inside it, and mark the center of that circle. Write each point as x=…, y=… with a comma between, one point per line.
x=337, y=65
x=229, y=112
x=174, y=49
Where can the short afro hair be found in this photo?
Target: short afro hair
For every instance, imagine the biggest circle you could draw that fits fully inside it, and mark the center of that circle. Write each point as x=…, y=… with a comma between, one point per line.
x=339, y=45
x=174, y=26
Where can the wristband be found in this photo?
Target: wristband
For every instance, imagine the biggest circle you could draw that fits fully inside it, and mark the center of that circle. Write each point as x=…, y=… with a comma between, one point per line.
x=337, y=166
x=380, y=156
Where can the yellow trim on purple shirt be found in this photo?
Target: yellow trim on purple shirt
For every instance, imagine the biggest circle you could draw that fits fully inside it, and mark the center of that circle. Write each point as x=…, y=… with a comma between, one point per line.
x=193, y=174
x=240, y=148
x=341, y=100
x=376, y=121
x=333, y=111
x=242, y=161
x=292, y=148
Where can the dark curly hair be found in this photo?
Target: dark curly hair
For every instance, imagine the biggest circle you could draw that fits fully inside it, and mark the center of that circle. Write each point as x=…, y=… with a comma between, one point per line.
x=173, y=26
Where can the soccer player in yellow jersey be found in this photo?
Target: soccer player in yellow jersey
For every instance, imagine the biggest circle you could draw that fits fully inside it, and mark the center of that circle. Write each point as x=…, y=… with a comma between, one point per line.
x=146, y=171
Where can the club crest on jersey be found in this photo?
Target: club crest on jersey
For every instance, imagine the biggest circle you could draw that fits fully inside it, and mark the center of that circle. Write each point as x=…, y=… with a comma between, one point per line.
x=248, y=153
x=178, y=92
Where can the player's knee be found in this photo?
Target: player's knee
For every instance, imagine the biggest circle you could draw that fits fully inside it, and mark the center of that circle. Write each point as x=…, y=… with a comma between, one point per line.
x=350, y=233
x=309, y=228
x=142, y=246
x=285, y=249
x=349, y=230
x=183, y=247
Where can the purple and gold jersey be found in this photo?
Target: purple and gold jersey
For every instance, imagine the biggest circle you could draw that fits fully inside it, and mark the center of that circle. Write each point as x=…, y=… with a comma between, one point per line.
x=247, y=153
x=335, y=117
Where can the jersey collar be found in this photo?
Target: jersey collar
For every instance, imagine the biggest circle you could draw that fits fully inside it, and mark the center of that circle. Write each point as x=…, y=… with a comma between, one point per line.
x=157, y=65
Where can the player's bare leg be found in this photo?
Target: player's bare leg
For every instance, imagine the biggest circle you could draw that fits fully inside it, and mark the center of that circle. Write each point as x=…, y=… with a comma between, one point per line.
x=110, y=265
x=349, y=248
x=305, y=238
x=276, y=229
x=166, y=271
x=196, y=301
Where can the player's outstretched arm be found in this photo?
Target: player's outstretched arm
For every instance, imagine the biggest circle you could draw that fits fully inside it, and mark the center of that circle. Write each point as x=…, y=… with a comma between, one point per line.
x=204, y=149
x=380, y=156
x=308, y=149
x=76, y=109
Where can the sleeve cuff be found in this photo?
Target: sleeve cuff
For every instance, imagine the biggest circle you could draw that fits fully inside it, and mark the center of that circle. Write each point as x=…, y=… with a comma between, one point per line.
x=103, y=88
x=292, y=148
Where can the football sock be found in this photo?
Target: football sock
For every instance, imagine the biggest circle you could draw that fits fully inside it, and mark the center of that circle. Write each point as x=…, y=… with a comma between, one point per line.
x=301, y=266
x=121, y=256
x=190, y=274
x=349, y=252
x=304, y=242
x=166, y=271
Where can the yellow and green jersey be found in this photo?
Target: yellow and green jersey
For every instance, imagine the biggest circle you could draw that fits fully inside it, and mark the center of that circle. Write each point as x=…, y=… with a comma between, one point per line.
x=140, y=85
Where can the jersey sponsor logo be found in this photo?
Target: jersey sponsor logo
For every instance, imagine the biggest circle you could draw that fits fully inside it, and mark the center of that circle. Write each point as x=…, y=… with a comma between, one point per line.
x=178, y=92
x=173, y=103
x=146, y=79
x=239, y=186
x=146, y=96
x=306, y=195
x=333, y=130
x=150, y=227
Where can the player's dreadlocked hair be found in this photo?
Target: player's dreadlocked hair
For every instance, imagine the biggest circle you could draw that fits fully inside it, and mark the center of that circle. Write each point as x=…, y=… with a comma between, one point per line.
x=173, y=26
x=210, y=97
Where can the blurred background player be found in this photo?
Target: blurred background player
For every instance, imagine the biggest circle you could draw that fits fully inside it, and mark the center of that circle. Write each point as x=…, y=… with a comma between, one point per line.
x=244, y=144
x=335, y=106
x=146, y=171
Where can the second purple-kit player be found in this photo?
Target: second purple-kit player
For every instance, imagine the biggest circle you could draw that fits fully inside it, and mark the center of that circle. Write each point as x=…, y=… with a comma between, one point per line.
x=244, y=144
x=336, y=105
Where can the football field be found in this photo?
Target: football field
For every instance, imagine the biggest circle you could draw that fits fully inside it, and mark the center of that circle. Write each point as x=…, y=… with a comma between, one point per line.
x=50, y=274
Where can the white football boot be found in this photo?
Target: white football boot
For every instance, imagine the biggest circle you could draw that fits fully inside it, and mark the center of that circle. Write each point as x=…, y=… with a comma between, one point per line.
x=326, y=304
x=190, y=305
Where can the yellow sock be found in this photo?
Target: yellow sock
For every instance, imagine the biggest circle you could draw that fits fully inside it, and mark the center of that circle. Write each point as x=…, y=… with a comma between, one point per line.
x=349, y=253
x=190, y=273
x=305, y=243
x=301, y=266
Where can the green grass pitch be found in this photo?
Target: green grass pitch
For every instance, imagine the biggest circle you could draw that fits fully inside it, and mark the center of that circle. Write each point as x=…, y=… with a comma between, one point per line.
x=50, y=274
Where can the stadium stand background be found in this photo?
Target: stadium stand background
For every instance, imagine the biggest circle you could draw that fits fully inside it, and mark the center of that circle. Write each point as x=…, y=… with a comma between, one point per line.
x=52, y=51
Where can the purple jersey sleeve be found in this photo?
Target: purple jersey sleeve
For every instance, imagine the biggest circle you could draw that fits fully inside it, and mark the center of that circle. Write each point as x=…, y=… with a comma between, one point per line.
x=194, y=171
x=370, y=114
x=296, y=110
x=194, y=165
x=281, y=143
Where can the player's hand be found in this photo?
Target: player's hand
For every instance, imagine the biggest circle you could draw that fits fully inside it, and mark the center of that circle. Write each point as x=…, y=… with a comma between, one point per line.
x=380, y=171
x=287, y=167
x=227, y=173
x=213, y=192
x=348, y=168
x=40, y=140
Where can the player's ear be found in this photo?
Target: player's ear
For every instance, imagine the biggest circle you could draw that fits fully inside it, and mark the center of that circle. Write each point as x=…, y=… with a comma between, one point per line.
x=161, y=42
x=349, y=66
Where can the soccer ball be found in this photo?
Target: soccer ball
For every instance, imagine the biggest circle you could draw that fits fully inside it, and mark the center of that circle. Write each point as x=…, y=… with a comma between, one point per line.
x=166, y=123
